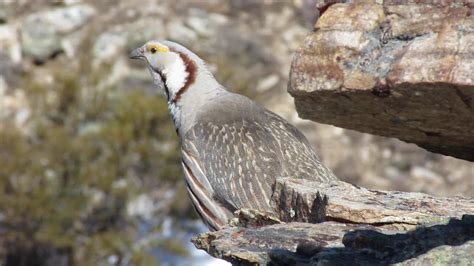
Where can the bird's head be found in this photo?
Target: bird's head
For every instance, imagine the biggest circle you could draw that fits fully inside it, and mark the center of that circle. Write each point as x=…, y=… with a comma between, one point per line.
x=182, y=76
x=158, y=55
x=174, y=68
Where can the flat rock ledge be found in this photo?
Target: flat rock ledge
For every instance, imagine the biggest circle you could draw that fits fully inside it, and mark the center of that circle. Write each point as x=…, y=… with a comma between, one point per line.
x=362, y=227
x=395, y=70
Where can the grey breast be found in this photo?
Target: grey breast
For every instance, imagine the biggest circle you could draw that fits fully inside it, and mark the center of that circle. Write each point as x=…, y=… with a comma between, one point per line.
x=239, y=150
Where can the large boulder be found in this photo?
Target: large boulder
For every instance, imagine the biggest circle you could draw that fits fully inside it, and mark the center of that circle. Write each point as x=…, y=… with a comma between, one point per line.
x=395, y=70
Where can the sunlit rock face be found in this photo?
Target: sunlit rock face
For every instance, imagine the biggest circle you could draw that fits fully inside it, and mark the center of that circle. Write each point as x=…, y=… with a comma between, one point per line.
x=393, y=70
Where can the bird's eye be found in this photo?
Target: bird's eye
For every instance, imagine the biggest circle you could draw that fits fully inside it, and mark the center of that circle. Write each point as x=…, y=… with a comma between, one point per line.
x=153, y=50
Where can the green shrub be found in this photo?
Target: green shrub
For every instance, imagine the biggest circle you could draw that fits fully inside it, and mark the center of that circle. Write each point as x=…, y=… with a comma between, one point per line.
x=67, y=176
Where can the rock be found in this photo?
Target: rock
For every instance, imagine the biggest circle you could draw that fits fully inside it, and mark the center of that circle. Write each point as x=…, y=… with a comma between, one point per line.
x=3, y=86
x=143, y=30
x=395, y=70
x=350, y=203
x=199, y=23
x=42, y=32
x=114, y=42
x=363, y=227
x=178, y=31
x=13, y=106
x=247, y=246
x=267, y=83
x=332, y=243
x=3, y=16
x=142, y=206
x=253, y=218
x=7, y=10
x=10, y=72
x=108, y=45
x=9, y=43
x=67, y=2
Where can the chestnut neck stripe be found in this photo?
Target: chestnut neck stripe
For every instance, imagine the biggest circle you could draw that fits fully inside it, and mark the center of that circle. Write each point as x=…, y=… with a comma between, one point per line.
x=191, y=69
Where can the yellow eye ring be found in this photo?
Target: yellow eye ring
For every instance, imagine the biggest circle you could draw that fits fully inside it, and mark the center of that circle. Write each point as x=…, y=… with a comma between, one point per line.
x=154, y=48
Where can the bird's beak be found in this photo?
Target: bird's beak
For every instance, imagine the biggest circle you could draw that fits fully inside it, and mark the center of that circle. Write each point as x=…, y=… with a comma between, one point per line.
x=137, y=53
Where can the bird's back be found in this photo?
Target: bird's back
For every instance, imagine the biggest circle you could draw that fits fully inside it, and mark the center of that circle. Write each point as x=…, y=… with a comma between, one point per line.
x=241, y=148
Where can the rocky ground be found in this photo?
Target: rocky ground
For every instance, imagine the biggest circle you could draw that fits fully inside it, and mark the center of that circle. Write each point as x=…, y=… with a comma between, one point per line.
x=247, y=44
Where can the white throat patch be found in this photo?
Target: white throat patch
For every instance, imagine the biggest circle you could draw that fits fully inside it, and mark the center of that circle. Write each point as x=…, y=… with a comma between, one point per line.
x=176, y=76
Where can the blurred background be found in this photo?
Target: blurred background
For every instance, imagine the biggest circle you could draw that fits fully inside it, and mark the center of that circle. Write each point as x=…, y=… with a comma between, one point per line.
x=89, y=160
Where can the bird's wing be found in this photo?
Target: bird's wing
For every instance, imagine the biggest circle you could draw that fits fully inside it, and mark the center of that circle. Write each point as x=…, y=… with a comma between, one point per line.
x=237, y=162
x=200, y=190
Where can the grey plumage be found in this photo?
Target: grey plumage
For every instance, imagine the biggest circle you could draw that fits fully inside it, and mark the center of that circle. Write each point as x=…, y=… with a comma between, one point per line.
x=240, y=148
x=232, y=148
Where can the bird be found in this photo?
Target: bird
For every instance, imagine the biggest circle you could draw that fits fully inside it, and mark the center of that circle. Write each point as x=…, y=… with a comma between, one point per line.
x=232, y=149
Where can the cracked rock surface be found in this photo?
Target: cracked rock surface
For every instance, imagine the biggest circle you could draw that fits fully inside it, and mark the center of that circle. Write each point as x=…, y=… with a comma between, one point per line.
x=403, y=71
x=363, y=227
x=331, y=243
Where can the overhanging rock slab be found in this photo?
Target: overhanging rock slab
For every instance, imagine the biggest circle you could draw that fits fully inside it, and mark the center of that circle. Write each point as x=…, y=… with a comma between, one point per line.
x=403, y=71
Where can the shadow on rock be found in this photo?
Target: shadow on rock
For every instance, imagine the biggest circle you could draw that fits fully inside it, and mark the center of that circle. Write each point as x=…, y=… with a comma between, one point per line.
x=369, y=247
